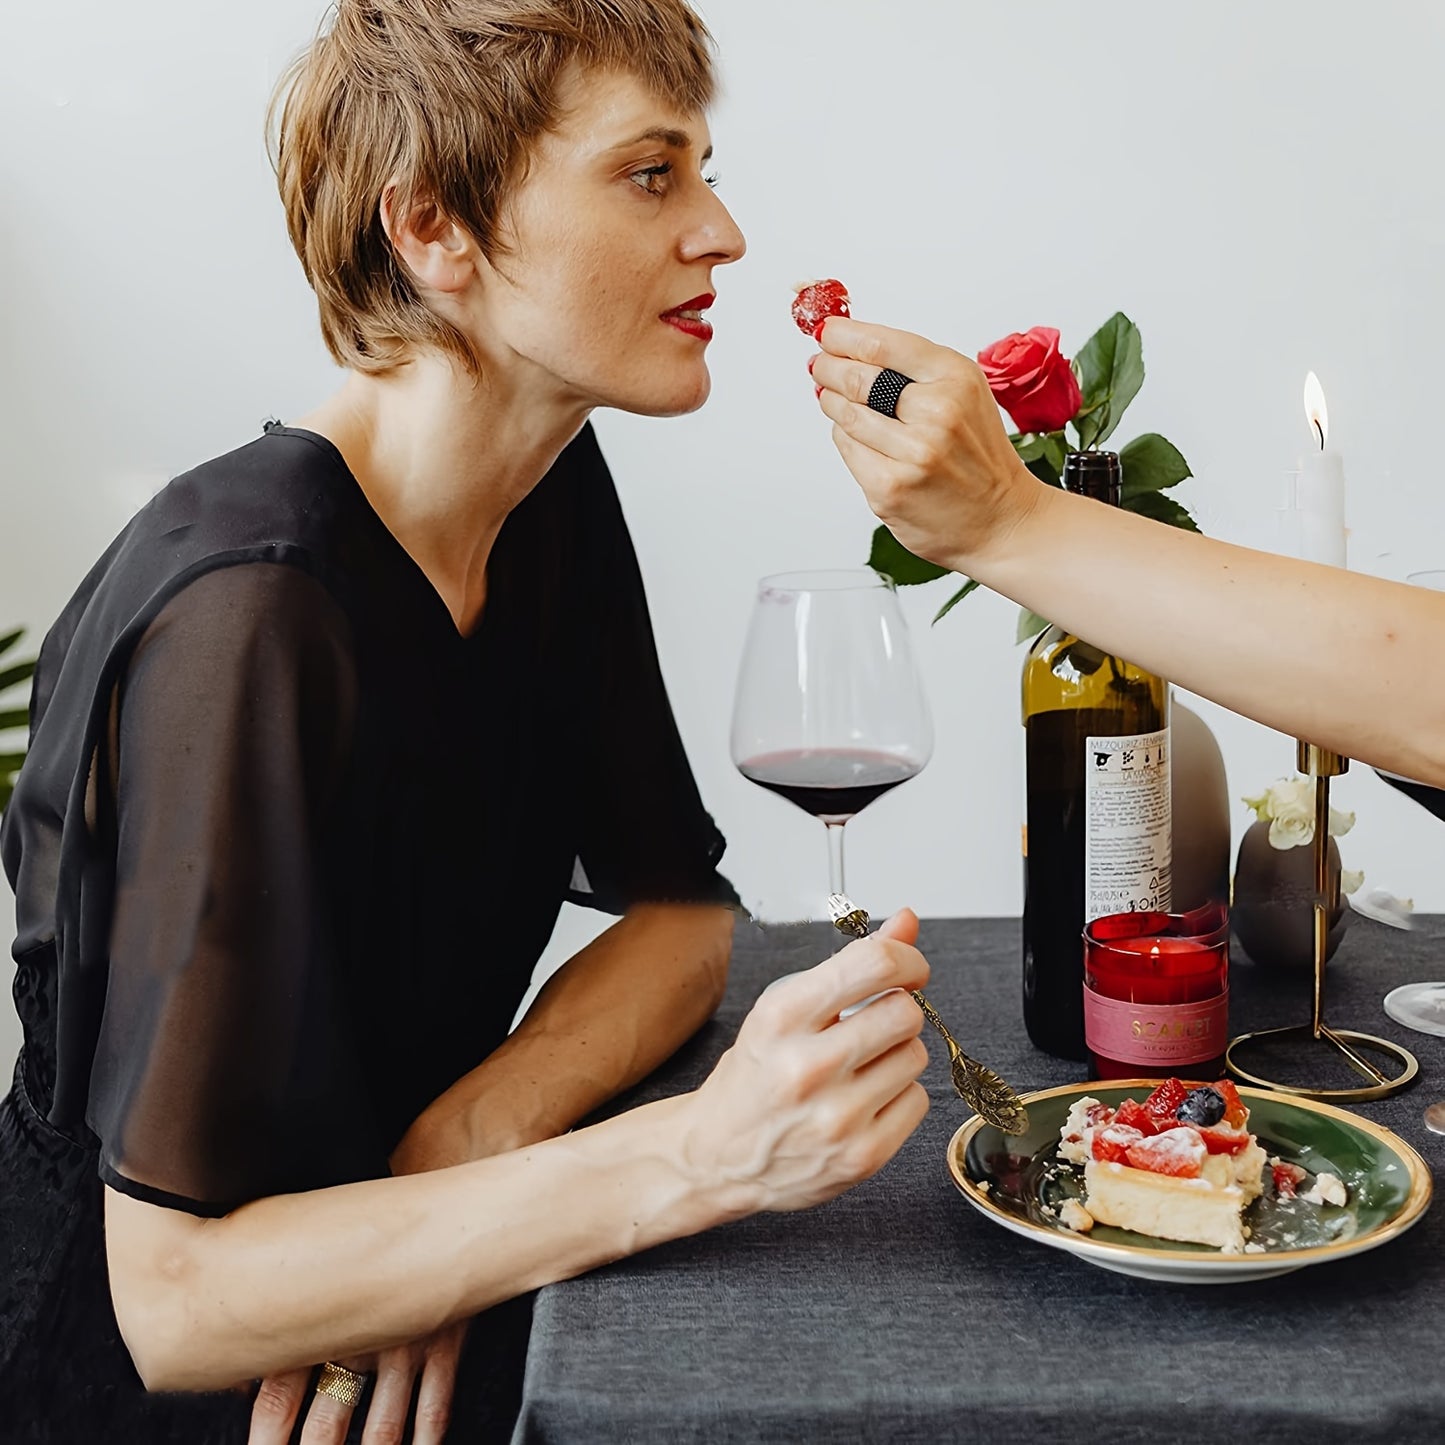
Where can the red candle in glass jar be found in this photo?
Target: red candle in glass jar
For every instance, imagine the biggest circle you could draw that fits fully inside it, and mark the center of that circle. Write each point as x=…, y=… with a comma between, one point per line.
x=1156, y=994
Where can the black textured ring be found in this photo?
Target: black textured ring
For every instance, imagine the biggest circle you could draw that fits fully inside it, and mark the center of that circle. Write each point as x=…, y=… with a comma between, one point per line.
x=347, y=1386
x=886, y=389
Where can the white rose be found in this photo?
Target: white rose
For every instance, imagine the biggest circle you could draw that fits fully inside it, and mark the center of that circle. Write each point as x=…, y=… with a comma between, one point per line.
x=1351, y=880
x=1259, y=805
x=1288, y=806
x=1290, y=796
x=1293, y=832
x=1291, y=811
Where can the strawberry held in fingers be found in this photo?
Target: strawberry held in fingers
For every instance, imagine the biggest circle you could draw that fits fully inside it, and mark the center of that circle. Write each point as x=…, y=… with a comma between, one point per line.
x=816, y=301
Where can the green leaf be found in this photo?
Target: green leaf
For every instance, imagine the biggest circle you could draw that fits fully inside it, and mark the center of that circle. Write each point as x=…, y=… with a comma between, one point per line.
x=19, y=673
x=1030, y=625
x=1161, y=509
x=1111, y=371
x=953, y=601
x=890, y=557
x=1029, y=445
x=10, y=639
x=1045, y=471
x=15, y=718
x=1055, y=451
x=10, y=763
x=1151, y=464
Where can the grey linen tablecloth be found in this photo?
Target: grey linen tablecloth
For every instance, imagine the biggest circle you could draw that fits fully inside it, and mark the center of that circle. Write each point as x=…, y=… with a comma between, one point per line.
x=898, y=1313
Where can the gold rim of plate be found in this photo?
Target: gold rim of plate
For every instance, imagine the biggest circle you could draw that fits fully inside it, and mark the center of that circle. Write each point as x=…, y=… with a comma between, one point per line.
x=1421, y=1186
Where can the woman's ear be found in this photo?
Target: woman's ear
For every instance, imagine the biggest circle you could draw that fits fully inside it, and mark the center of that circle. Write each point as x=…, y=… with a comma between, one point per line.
x=439, y=253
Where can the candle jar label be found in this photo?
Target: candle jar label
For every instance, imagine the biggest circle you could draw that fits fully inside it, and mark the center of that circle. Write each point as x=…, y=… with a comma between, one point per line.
x=1126, y=824
x=1156, y=1034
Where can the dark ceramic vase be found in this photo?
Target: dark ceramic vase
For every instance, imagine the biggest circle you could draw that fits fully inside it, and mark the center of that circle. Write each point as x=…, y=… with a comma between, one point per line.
x=1273, y=909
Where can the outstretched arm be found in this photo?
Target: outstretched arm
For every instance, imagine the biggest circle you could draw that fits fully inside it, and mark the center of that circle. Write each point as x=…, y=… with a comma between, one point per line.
x=1325, y=654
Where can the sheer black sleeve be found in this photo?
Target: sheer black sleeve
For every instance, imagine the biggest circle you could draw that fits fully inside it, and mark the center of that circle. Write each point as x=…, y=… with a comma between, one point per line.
x=224, y=1069
x=646, y=836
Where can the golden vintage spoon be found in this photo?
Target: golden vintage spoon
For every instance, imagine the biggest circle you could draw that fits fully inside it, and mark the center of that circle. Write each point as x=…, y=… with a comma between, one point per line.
x=979, y=1087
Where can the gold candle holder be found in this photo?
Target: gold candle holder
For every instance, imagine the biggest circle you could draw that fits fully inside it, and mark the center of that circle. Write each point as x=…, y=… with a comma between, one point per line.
x=1322, y=765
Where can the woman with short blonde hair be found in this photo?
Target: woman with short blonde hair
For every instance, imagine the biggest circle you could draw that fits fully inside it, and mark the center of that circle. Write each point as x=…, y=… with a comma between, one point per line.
x=321, y=745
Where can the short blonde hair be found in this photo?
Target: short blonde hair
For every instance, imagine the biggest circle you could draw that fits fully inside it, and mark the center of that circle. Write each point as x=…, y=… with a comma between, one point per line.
x=446, y=97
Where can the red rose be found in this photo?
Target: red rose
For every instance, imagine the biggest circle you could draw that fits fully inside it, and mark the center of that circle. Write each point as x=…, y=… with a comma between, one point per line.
x=1030, y=380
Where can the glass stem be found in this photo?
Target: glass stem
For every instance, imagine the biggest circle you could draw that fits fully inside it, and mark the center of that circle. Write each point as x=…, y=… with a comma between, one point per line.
x=835, y=858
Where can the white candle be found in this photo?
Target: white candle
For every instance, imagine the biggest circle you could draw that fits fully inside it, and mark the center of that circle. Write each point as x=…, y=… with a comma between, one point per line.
x=1319, y=499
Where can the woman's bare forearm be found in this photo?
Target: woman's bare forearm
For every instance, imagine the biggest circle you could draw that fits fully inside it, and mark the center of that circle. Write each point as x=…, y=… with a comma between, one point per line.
x=1317, y=652
x=1340, y=659
x=803, y=1105
x=602, y=1022
x=293, y=1279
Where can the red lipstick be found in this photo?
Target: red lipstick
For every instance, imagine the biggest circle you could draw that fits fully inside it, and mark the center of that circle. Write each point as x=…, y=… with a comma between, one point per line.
x=688, y=317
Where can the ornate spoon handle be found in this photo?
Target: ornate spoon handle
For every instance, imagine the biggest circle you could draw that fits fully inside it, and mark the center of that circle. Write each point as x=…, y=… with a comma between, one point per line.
x=979, y=1087
x=931, y=1014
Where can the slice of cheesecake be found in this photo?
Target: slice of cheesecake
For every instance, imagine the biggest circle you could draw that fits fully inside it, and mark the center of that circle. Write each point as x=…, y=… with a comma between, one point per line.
x=1207, y=1208
x=1182, y=1165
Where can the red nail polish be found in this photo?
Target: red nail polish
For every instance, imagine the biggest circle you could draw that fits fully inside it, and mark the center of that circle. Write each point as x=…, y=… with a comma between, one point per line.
x=811, y=361
x=817, y=392
x=818, y=331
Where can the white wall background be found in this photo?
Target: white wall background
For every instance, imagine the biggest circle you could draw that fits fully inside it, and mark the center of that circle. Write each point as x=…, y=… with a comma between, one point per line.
x=1259, y=186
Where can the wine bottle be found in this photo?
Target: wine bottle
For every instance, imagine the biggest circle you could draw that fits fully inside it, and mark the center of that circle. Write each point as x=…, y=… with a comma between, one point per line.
x=1097, y=828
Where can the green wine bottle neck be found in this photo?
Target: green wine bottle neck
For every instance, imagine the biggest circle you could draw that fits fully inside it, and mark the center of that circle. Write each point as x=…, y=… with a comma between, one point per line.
x=1094, y=474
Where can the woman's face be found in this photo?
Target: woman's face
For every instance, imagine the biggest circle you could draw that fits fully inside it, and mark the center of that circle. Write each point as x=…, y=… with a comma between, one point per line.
x=611, y=243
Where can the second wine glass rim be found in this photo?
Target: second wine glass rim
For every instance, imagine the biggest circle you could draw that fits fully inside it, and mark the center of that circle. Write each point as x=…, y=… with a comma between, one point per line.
x=826, y=579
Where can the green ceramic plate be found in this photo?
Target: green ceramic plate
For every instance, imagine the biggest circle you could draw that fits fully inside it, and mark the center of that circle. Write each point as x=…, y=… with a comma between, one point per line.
x=1020, y=1182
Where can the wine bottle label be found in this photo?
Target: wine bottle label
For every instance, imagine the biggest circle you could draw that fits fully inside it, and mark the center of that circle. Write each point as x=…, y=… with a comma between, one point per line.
x=1126, y=825
x=1155, y=1034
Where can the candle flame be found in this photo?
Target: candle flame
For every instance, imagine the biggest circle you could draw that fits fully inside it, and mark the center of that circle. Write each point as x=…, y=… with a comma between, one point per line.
x=1315, y=409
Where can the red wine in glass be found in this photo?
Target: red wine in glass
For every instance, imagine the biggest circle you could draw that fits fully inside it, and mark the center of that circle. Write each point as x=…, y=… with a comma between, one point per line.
x=829, y=711
x=833, y=784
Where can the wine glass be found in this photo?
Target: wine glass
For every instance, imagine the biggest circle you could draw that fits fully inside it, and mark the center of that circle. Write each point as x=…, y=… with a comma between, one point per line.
x=829, y=711
x=1421, y=1006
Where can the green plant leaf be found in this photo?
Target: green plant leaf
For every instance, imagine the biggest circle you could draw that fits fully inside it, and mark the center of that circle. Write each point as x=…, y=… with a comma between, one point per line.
x=1150, y=465
x=1161, y=509
x=968, y=586
x=1056, y=449
x=1029, y=445
x=1045, y=471
x=890, y=557
x=19, y=673
x=1030, y=625
x=1111, y=371
x=11, y=718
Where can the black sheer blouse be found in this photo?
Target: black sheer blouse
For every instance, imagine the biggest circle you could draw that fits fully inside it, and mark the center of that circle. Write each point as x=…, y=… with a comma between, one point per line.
x=287, y=845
